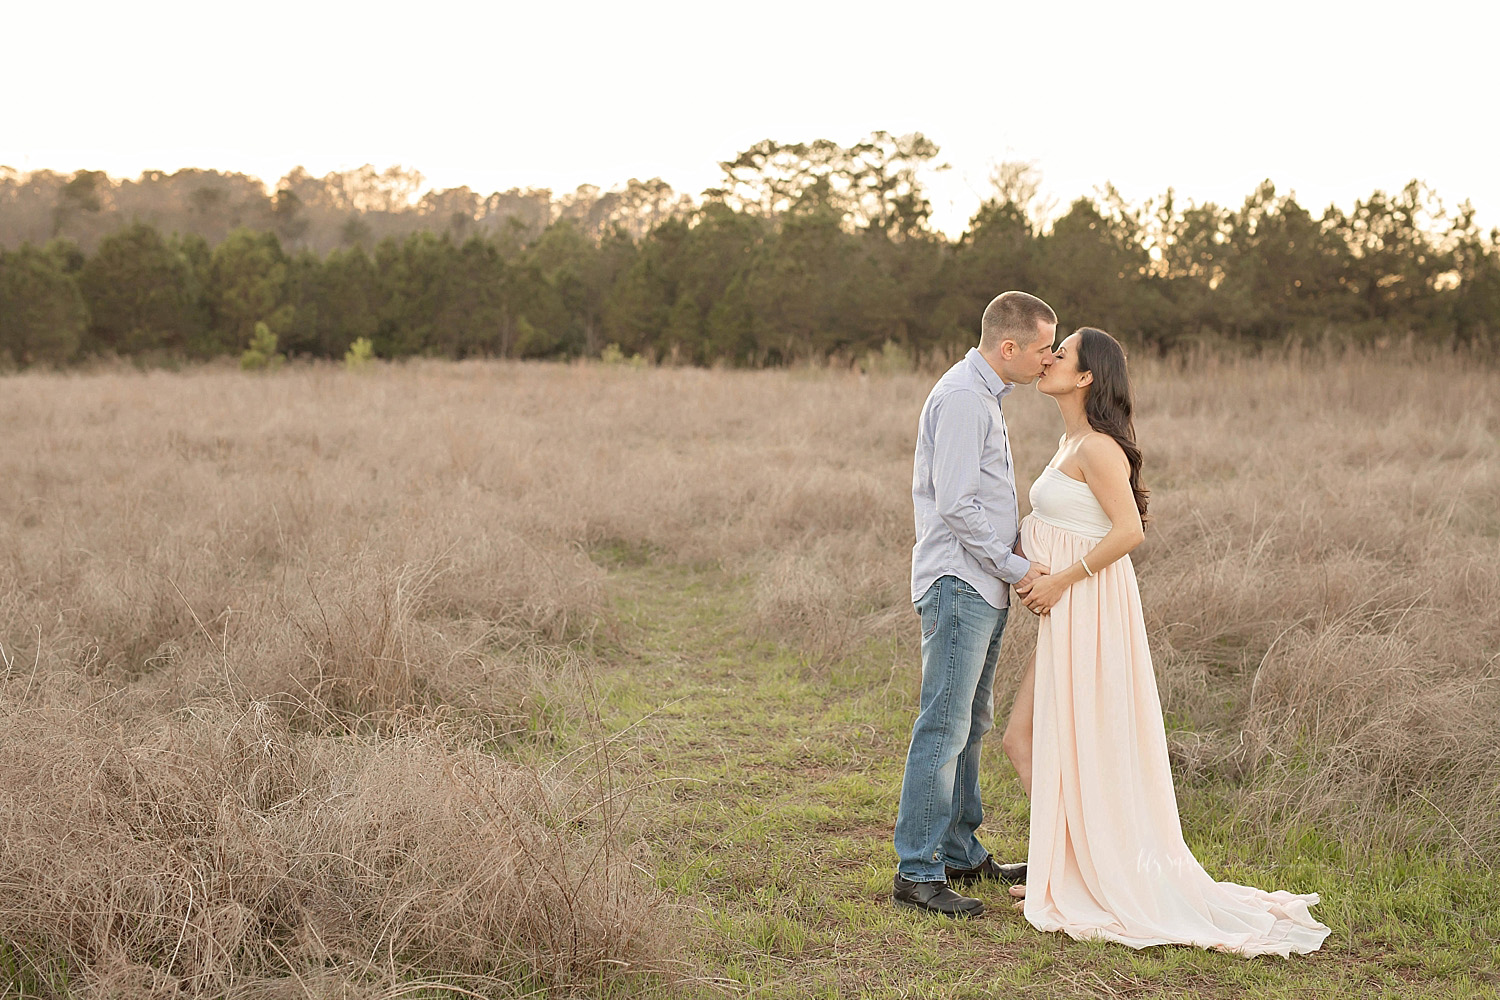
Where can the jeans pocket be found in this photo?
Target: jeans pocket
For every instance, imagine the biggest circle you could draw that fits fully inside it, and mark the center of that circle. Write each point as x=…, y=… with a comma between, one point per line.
x=929, y=622
x=927, y=607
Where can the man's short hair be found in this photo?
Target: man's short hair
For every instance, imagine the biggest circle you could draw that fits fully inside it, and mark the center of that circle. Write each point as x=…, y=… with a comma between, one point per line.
x=1014, y=316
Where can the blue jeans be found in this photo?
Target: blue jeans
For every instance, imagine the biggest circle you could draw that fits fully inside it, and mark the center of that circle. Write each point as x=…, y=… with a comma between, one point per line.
x=940, y=807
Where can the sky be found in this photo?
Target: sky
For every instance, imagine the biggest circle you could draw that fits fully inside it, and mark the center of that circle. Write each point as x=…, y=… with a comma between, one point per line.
x=1331, y=100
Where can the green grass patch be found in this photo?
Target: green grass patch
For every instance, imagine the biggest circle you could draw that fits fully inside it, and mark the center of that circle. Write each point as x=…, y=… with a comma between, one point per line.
x=766, y=790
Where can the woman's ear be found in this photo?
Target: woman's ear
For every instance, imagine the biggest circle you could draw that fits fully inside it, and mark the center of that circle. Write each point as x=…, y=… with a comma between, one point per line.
x=1086, y=379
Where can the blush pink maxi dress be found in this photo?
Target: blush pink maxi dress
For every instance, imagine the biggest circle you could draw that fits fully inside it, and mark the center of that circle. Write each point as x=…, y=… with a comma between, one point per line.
x=1106, y=858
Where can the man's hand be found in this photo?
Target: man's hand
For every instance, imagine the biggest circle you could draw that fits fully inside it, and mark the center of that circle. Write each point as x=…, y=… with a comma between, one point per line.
x=1035, y=573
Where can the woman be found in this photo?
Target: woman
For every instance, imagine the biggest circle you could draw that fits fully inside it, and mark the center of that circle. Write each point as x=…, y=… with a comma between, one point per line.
x=1107, y=859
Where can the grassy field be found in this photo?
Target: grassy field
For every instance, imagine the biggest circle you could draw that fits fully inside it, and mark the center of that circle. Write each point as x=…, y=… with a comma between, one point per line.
x=503, y=680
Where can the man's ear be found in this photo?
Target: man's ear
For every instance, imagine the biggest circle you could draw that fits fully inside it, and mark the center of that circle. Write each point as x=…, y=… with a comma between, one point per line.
x=1008, y=349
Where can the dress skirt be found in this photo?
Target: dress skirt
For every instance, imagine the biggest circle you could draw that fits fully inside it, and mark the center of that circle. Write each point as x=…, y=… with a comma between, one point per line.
x=1107, y=859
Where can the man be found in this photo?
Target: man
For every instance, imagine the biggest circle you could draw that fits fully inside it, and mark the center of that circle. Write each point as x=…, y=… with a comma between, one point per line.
x=966, y=555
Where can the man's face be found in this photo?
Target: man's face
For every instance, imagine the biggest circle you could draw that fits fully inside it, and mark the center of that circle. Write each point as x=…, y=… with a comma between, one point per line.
x=1026, y=364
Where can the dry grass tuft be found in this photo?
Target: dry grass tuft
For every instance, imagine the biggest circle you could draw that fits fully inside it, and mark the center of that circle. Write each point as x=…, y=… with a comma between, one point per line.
x=1322, y=585
x=214, y=844
x=253, y=639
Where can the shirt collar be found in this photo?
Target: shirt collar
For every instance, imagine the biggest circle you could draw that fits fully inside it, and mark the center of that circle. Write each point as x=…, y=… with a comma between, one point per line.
x=992, y=381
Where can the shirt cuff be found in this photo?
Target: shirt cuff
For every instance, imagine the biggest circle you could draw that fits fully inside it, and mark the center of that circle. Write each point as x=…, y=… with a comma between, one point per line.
x=1015, y=568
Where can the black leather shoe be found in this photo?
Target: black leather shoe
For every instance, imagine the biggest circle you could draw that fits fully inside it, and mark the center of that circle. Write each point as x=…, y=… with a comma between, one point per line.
x=934, y=897
x=1009, y=874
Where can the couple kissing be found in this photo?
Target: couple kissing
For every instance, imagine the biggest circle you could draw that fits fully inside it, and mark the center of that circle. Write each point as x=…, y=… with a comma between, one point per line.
x=1106, y=857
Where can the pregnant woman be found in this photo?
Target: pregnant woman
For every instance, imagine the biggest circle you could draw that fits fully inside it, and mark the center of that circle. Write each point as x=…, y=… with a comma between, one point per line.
x=1107, y=859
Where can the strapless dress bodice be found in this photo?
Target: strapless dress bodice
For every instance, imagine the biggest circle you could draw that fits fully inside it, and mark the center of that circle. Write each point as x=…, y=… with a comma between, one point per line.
x=1064, y=502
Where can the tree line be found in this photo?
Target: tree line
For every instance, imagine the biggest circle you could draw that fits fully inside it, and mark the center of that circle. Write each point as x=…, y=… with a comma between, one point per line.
x=806, y=252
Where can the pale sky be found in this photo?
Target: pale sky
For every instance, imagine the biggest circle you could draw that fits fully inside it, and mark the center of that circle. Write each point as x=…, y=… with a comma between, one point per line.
x=1331, y=100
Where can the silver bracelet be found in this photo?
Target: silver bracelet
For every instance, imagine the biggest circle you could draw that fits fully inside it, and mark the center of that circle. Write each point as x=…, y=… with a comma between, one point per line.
x=1086, y=566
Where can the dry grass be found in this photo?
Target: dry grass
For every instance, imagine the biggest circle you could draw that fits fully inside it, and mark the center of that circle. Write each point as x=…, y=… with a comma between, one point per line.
x=256, y=629
x=256, y=634
x=1324, y=587
x=213, y=844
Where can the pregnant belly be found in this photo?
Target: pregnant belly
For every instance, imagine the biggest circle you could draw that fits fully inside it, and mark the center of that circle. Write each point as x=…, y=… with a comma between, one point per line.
x=1032, y=542
x=1052, y=546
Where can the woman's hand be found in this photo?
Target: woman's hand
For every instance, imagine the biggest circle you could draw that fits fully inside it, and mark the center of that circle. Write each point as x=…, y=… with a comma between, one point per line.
x=1045, y=592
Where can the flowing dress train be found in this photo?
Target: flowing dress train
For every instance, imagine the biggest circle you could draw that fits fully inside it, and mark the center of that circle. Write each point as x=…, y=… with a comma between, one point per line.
x=1107, y=858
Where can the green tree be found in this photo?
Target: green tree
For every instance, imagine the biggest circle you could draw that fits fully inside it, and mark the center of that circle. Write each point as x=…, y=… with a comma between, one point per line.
x=794, y=290
x=886, y=195
x=637, y=309
x=1396, y=259
x=142, y=294
x=996, y=253
x=870, y=185
x=1284, y=271
x=897, y=290
x=1092, y=266
x=1191, y=253
x=729, y=329
x=336, y=302
x=442, y=299
x=712, y=264
x=246, y=284
x=42, y=313
x=536, y=323
x=359, y=355
x=471, y=318
x=1473, y=286
x=414, y=277
x=261, y=354
x=573, y=266
x=305, y=294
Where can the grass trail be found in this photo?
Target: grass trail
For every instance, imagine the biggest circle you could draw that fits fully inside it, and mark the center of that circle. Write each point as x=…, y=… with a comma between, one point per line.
x=766, y=789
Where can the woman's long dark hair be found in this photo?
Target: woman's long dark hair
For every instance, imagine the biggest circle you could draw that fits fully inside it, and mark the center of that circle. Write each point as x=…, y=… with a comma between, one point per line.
x=1109, y=406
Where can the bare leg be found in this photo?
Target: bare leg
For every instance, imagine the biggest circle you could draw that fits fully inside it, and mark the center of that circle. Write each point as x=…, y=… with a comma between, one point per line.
x=1017, y=739
x=1017, y=746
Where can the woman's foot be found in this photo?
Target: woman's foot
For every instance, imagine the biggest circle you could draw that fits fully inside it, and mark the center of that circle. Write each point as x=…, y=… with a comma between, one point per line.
x=1019, y=893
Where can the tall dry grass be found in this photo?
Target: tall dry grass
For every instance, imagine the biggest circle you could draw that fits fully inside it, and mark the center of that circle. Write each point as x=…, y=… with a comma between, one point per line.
x=259, y=640
x=1324, y=588
x=219, y=846
x=234, y=607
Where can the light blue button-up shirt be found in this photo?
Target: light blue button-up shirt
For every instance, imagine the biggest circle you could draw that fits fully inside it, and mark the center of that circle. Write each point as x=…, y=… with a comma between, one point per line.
x=964, y=488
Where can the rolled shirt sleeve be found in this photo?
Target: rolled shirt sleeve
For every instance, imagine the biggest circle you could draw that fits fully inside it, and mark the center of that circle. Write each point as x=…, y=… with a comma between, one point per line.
x=962, y=424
